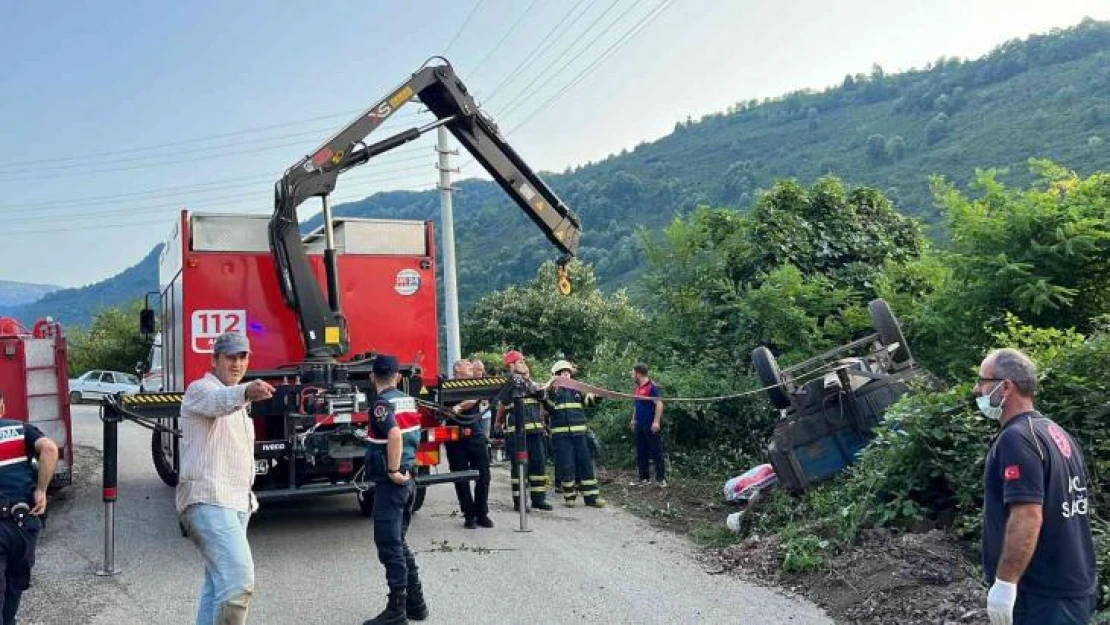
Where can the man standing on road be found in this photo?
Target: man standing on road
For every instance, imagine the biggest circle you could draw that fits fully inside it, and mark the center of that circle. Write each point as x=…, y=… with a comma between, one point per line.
x=214, y=498
x=471, y=452
x=1038, y=554
x=394, y=434
x=22, y=504
x=647, y=420
x=533, y=429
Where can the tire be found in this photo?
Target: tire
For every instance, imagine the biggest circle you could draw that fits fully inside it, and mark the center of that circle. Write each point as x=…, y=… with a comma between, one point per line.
x=161, y=452
x=890, y=331
x=769, y=375
x=421, y=492
x=366, y=502
x=75, y=398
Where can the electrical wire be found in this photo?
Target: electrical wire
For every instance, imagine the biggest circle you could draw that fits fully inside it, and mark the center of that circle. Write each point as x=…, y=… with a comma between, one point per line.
x=497, y=46
x=462, y=26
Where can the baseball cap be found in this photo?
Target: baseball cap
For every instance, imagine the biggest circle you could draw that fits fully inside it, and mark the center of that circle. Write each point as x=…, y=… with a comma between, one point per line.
x=513, y=356
x=231, y=343
x=560, y=366
x=384, y=364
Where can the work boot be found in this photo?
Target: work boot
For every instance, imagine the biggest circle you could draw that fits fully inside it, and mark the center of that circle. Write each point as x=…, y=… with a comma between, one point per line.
x=596, y=503
x=485, y=521
x=470, y=523
x=415, y=607
x=394, y=612
x=541, y=504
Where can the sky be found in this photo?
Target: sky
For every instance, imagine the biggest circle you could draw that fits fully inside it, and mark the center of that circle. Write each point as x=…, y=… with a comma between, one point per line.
x=114, y=116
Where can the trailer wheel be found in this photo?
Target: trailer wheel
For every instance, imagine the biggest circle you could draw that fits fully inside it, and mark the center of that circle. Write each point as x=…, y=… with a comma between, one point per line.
x=75, y=398
x=422, y=491
x=769, y=375
x=890, y=331
x=161, y=451
x=366, y=502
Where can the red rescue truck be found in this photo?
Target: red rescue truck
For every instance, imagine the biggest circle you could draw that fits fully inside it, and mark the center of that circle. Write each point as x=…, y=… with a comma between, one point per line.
x=35, y=381
x=318, y=306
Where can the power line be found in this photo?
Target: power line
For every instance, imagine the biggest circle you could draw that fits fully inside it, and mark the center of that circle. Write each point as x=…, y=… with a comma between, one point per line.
x=462, y=27
x=133, y=150
x=497, y=46
x=205, y=187
x=164, y=221
x=537, y=51
x=32, y=175
x=598, y=61
x=542, y=73
x=525, y=97
x=604, y=56
x=376, y=177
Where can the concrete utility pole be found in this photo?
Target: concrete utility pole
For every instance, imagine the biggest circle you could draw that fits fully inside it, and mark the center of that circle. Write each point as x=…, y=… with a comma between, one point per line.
x=447, y=223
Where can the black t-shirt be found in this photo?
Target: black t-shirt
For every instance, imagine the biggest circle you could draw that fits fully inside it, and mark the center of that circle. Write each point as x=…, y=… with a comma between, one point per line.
x=1033, y=460
x=17, y=448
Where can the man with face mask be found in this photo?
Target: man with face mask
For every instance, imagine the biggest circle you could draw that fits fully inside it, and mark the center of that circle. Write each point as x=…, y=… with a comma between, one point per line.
x=1038, y=554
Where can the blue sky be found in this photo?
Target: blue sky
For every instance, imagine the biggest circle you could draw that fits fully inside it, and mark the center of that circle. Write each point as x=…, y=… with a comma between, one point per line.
x=113, y=116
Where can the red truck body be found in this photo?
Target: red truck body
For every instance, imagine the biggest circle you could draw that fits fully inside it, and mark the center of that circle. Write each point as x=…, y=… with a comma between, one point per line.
x=35, y=380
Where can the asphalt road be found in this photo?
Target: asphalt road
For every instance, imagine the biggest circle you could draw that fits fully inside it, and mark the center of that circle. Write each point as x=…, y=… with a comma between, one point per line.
x=315, y=561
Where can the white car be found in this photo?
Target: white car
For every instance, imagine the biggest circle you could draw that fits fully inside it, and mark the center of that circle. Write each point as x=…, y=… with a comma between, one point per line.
x=96, y=384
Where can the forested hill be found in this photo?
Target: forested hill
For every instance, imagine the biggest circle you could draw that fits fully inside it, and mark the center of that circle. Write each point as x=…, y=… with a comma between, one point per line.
x=1045, y=96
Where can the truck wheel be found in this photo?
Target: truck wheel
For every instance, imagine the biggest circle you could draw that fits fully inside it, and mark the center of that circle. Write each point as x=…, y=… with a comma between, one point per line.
x=890, y=332
x=769, y=375
x=366, y=502
x=161, y=451
x=75, y=398
x=421, y=492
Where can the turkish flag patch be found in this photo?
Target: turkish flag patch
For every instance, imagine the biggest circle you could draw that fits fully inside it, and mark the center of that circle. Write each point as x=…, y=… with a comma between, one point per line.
x=1012, y=472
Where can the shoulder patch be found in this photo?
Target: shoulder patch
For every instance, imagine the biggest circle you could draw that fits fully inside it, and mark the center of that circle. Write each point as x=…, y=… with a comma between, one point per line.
x=1061, y=439
x=1012, y=472
x=381, y=411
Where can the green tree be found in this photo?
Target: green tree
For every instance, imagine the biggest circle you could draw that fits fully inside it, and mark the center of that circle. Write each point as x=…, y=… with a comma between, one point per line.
x=1042, y=254
x=539, y=320
x=876, y=148
x=112, y=342
x=896, y=148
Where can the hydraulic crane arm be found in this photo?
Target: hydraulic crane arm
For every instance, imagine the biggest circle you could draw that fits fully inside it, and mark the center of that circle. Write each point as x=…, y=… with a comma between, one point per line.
x=322, y=324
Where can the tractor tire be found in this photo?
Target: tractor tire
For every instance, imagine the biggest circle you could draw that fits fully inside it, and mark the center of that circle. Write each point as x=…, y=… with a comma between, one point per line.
x=161, y=452
x=366, y=502
x=890, y=331
x=422, y=491
x=769, y=375
x=75, y=398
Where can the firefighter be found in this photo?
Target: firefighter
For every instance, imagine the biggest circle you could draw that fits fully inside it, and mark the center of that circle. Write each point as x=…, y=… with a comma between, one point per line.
x=533, y=427
x=394, y=433
x=569, y=436
x=23, y=491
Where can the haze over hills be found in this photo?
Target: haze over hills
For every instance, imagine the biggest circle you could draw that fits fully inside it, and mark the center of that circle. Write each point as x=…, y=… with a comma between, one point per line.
x=1047, y=96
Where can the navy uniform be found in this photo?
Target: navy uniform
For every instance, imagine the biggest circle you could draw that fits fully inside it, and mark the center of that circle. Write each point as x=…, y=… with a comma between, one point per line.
x=573, y=460
x=393, y=502
x=19, y=531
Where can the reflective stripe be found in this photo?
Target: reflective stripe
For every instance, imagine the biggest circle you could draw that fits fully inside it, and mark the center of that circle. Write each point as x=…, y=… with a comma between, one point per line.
x=568, y=406
x=567, y=429
x=528, y=427
x=588, y=482
x=590, y=493
x=537, y=489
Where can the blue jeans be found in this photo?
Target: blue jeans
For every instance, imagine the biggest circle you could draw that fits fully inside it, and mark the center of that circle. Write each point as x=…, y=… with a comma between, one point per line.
x=1030, y=609
x=221, y=536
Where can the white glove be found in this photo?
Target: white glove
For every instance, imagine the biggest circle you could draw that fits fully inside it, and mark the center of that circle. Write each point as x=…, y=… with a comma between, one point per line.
x=1000, y=602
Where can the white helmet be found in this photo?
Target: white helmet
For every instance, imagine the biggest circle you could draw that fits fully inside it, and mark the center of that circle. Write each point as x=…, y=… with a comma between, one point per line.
x=561, y=365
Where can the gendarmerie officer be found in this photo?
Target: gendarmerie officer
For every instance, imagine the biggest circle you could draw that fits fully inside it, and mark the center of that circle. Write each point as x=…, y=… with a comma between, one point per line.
x=22, y=503
x=394, y=433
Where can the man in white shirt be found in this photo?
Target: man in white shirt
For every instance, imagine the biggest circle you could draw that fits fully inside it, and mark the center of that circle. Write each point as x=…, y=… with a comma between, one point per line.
x=214, y=498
